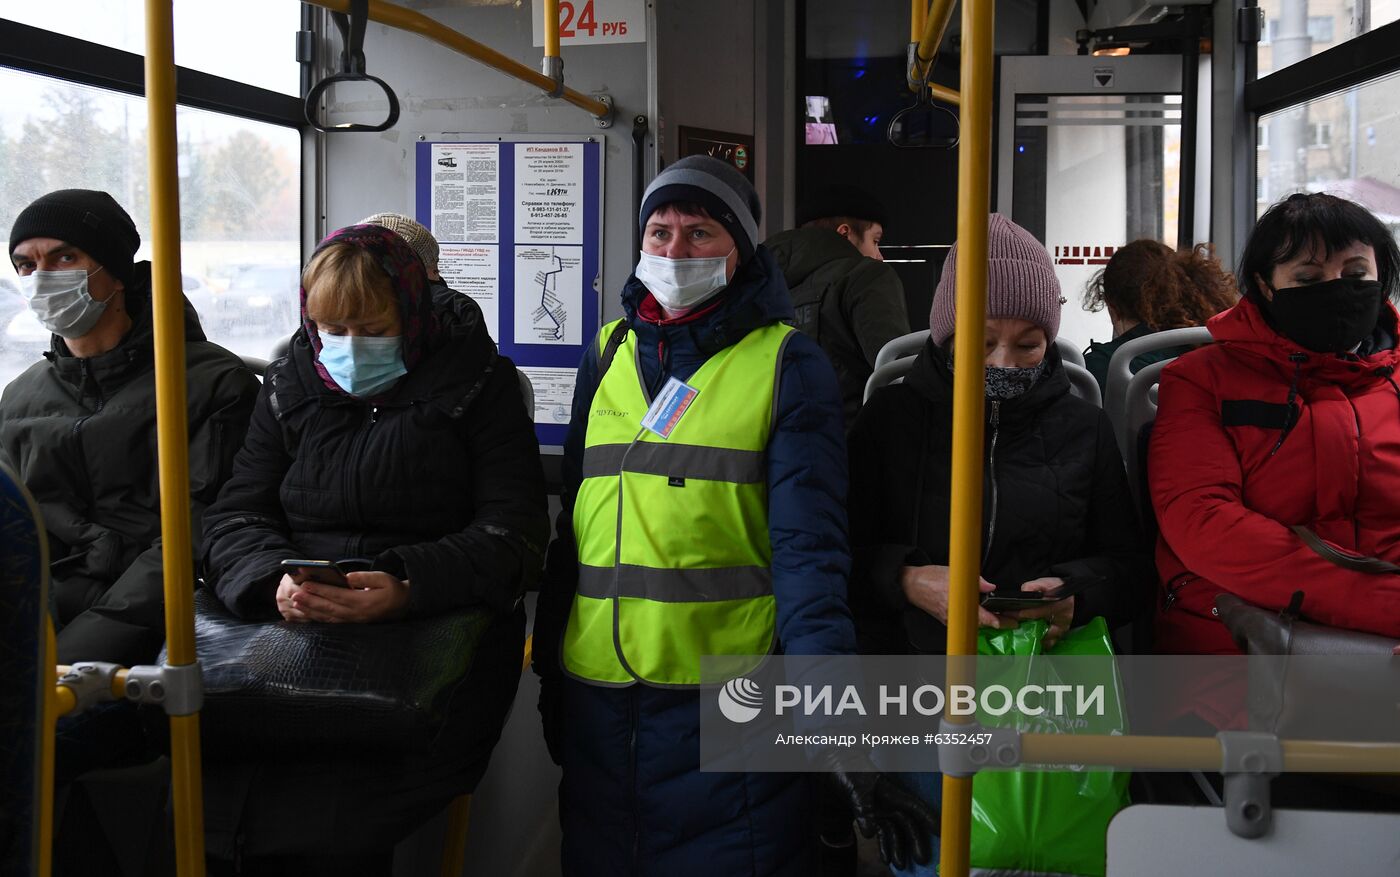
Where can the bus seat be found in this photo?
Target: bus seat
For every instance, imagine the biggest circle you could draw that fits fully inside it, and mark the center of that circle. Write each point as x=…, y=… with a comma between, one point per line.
x=899, y=348
x=527, y=392
x=1134, y=421
x=1070, y=352
x=892, y=372
x=280, y=349
x=1082, y=383
x=255, y=365
x=1145, y=840
x=26, y=675
x=1120, y=375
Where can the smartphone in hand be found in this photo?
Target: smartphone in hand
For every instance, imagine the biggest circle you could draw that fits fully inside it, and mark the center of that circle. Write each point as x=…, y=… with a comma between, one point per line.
x=323, y=571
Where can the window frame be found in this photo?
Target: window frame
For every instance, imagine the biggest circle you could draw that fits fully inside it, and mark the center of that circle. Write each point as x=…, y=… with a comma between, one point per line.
x=36, y=50
x=1351, y=62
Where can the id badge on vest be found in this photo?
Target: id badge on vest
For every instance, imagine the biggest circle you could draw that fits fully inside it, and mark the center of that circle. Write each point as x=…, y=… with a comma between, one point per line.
x=669, y=407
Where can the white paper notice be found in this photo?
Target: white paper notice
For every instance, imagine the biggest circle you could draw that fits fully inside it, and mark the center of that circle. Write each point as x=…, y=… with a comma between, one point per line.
x=548, y=295
x=549, y=193
x=554, y=392
x=475, y=269
x=466, y=192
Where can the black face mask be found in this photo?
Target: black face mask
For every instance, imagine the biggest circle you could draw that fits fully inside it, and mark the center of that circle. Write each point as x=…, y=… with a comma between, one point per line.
x=1329, y=317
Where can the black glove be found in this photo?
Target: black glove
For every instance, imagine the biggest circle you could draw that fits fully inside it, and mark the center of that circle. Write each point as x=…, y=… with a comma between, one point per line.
x=904, y=824
x=551, y=708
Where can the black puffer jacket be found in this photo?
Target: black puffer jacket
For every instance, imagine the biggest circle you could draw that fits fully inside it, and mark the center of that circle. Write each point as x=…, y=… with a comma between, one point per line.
x=439, y=481
x=851, y=304
x=82, y=435
x=1055, y=501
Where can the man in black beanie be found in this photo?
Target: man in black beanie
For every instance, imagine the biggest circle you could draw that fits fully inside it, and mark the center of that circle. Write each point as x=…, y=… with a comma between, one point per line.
x=843, y=294
x=79, y=426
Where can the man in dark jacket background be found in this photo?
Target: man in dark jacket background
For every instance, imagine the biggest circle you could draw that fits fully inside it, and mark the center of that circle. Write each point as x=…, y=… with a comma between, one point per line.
x=843, y=295
x=80, y=426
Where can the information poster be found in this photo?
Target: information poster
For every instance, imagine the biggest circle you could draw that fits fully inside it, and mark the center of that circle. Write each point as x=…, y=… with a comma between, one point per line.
x=519, y=225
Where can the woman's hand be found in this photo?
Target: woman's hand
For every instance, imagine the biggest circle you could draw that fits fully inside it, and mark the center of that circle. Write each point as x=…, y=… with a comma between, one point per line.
x=927, y=588
x=286, y=589
x=372, y=596
x=1060, y=613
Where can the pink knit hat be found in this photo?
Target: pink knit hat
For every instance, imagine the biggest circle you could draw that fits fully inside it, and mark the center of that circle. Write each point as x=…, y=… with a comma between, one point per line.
x=1021, y=282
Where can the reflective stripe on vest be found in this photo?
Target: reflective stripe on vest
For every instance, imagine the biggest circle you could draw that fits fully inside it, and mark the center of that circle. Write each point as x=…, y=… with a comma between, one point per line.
x=674, y=558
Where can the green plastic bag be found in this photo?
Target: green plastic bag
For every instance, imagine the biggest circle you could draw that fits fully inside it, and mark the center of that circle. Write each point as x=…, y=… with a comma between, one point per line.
x=1051, y=821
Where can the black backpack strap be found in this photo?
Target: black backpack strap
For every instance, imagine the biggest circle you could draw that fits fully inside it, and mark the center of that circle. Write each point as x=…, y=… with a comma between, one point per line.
x=619, y=334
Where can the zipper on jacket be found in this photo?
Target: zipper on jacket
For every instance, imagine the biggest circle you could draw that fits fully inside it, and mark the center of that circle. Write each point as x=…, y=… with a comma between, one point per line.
x=373, y=414
x=992, y=479
x=352, y=495
x=1174, y=588
x=633, y=719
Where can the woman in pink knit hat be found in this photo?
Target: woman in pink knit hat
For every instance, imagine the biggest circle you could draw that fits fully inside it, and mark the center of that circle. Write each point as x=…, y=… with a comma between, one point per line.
x=1055, y=500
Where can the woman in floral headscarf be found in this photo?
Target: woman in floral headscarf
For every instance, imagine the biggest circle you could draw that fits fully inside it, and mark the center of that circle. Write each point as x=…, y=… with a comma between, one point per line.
x=392, y=431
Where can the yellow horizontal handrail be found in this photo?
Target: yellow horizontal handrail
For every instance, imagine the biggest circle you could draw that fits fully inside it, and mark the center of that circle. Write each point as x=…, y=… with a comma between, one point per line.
x=417, y=22
x=1201, y=753
x=935, y=26
x=945, y=94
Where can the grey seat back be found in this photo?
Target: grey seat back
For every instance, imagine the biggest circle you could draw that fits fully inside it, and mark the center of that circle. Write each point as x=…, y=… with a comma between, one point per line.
x=1120, y=374
x=899, y=348
x=1070, y=352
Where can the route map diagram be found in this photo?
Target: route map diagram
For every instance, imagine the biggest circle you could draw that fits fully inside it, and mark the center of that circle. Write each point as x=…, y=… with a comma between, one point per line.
x=548, y=294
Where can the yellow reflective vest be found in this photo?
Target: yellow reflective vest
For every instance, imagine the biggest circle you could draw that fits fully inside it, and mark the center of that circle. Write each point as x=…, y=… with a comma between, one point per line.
x=674, y=557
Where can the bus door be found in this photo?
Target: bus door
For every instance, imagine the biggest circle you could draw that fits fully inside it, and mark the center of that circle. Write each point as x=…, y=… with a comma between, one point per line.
x=1088, y=159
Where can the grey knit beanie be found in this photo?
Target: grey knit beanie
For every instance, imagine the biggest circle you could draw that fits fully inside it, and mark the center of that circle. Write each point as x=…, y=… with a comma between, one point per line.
x=723, y=191
x=418, y=238
x=1021, y=282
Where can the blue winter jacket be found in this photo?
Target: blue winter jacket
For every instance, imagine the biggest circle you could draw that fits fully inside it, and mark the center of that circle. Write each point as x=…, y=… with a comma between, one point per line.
x=633, y=800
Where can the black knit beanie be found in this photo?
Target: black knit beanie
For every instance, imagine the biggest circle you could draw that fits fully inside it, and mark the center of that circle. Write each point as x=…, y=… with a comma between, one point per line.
x=842, y=200
x=725, y=194
x=91, y=221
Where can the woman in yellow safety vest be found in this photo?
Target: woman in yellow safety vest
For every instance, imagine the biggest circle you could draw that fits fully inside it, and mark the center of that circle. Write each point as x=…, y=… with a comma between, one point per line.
x=703, y=514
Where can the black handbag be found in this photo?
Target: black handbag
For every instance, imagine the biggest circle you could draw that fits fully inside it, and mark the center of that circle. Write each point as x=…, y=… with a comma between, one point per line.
x=1264, y=632
x=1310, y=681
x=383, y=687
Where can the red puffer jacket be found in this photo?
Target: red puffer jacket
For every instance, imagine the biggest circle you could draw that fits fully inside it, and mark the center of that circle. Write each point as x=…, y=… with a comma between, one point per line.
x=1255, y=435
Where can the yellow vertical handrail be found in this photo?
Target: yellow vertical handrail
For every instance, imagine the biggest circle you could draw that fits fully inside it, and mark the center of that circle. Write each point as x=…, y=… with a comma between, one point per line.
x=918, y=14
x=172, y=428
x=965, y=535
x=49, y=741
x=551, y=28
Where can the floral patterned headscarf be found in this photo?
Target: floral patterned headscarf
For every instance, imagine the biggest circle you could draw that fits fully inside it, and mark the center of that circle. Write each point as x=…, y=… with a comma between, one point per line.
x=420, y=327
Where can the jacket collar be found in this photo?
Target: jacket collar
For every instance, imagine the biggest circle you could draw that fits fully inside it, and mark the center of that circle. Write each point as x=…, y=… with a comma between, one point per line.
x=756, y=296
x=104, y=373
x=932, y=378
x=1245, y=329
x=448, y=377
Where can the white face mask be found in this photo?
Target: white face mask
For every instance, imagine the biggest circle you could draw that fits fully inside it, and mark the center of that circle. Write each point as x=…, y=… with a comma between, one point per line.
x=61, y=301
x=681, y=284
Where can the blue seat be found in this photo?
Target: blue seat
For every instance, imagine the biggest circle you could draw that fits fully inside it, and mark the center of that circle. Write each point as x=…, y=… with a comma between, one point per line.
x=26, y=670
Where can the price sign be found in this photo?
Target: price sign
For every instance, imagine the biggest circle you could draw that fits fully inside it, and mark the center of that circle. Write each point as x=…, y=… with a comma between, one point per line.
x=595, y=22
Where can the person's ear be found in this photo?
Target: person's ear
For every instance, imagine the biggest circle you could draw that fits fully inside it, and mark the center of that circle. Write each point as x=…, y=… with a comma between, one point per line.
x=845, y=230
x=1263, y=288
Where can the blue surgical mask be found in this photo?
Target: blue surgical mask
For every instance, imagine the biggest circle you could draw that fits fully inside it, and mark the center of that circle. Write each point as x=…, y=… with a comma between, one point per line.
x=61, y=301
x=363, y=365
x=682, y=284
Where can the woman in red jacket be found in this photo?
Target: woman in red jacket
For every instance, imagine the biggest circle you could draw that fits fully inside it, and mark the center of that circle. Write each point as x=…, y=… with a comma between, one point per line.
x=1280, y=443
